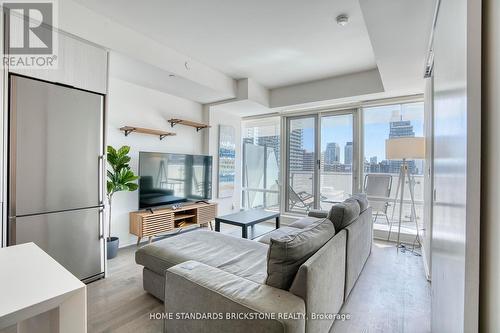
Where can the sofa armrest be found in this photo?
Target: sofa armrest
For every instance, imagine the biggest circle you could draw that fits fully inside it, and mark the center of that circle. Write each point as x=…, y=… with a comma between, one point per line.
x=318, y=213
x=196, y=288
x=320, y=282
x=359, y=246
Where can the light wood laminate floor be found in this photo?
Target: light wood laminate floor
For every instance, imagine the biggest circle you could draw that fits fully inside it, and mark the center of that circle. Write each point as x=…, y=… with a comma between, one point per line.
x=391, y=295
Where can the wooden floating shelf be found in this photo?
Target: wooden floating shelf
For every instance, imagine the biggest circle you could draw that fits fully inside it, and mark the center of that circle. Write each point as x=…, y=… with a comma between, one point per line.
x=129, y=129
x=198, y=126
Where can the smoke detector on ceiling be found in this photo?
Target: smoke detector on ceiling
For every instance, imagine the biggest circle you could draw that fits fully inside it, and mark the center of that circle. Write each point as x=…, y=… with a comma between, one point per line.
x=342, y=20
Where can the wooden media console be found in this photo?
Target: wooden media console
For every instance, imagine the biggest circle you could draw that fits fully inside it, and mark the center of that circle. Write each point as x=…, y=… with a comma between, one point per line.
x=145, y=223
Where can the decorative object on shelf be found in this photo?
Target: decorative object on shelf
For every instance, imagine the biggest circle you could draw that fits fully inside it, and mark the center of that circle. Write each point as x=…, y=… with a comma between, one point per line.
x=227, y=154
x=403, y=149
x=120, y=178
x=176, y=206
x=198, y=126
x=162, y=134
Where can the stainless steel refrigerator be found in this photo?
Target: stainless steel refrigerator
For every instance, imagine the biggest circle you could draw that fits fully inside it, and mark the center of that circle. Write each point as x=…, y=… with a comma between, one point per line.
x=55, y=173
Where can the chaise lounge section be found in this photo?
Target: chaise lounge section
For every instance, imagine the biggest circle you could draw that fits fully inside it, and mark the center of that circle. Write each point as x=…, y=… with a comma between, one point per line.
x=307, y=268
x=238, y=256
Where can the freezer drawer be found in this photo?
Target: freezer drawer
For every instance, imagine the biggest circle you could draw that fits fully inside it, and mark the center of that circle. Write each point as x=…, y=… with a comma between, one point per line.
x=72, y=238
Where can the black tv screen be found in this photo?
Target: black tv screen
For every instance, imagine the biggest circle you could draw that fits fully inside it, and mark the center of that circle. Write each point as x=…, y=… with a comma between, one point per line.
x=167, y=179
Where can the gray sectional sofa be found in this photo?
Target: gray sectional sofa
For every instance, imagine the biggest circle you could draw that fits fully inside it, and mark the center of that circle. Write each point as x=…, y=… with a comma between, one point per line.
x=292, y=280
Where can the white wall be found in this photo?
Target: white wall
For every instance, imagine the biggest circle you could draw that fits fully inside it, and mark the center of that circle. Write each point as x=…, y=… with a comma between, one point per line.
x=489, y=320
x=457, y=160
x=349, y=85
x=216, y=118
x=134, y=105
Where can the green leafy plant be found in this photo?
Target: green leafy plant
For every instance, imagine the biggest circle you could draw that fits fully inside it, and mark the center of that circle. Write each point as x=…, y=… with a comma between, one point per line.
x=120, y=176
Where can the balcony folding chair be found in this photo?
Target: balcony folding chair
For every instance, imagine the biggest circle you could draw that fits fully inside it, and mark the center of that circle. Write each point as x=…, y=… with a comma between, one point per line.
x=378, y=187
x=301, y=199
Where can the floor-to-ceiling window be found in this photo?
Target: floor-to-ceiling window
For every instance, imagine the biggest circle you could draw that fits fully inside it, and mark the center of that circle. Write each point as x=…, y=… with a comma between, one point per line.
x=322, y=163
x=381, y=123
x=261, y=163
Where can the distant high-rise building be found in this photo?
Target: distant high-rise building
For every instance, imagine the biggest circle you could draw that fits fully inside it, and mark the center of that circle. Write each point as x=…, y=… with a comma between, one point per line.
x=254, y=136
x=296, y=152
x=332, y=153
x=384, y=167
x=373, y=165
x=271, y=141
x=308, y=161
x=348, y=153
x=400, y=129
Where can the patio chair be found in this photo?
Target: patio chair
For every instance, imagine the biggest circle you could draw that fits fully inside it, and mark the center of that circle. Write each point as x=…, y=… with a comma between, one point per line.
x=378, y=187
x=301, y=199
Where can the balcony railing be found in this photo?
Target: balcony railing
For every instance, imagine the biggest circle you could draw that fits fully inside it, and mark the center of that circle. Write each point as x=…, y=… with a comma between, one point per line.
x=261, y=198
x=337, y=186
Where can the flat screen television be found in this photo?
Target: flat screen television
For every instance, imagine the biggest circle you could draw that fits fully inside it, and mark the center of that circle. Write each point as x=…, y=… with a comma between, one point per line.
x=167, y=179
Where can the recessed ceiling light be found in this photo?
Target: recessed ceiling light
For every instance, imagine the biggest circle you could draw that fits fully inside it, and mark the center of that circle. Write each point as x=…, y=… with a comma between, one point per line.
x=342, y=20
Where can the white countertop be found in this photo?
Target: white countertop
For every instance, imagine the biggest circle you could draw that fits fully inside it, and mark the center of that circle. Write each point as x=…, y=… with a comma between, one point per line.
x=31, y=281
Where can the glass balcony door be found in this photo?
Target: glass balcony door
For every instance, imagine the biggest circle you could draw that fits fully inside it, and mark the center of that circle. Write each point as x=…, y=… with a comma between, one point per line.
x=301, y=164
x=322, y=163
x=337, y=158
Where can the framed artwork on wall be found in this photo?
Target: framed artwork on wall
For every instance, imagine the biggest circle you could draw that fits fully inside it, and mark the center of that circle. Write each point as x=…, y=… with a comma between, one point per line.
x=227, y=154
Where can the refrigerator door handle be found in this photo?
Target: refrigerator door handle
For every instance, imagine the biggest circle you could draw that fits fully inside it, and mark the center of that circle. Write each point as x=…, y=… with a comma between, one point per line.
x=101, y=188
x=100, y=180
x=11, y=231
x=100, y=224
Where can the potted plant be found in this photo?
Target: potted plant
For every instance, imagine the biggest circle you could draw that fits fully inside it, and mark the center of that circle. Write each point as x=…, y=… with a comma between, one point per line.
x=120, y=178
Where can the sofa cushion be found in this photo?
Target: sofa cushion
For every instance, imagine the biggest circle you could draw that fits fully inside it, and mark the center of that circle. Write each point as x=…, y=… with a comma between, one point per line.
x=287, y=253
x=241, y=257
x=277, y=233
x=305, y=222
x=344, y=213
x=362, y=201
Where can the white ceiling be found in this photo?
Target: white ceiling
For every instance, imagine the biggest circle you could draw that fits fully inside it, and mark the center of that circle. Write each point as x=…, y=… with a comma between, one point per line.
x=400, y=40
x=276, y=43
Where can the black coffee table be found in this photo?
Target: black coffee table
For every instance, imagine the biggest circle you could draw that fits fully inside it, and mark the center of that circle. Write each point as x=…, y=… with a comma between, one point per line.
x=247, y=218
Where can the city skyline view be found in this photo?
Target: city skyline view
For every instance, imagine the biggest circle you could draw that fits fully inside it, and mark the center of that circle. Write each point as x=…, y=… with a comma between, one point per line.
x=376, y=129
x=380, y=123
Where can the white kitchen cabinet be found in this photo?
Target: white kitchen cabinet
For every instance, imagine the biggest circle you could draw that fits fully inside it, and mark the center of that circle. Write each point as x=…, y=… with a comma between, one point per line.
x=80, y=64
